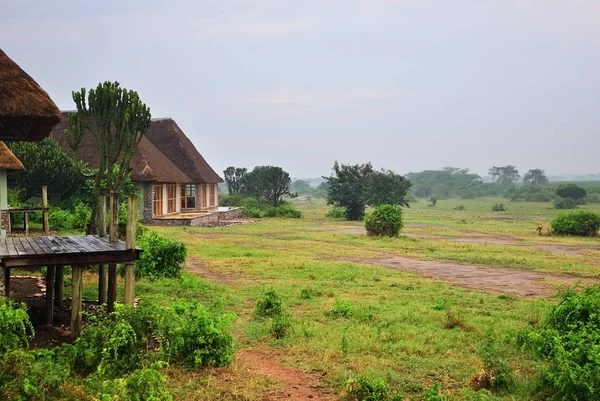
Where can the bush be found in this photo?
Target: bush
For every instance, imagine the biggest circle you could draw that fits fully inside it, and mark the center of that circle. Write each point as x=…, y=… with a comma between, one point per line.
x=498, y=207
x=565, y=203
x=232, y=200
x=368, y=387
x=341, y=308
x=269, y=304
x=579, y=222
x=571, y=191
x=336, y=213
x=460, y=207
x=15, y=328
x=162, y=257
x=281, y=325
x=283, y=210
x=190, y=334
x=384, y=220
x=569, y=340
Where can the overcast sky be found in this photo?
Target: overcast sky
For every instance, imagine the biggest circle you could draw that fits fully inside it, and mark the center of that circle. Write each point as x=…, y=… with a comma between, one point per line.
x=406, y=84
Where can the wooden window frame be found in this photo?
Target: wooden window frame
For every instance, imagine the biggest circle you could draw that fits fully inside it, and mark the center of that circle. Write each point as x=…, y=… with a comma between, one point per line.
x=188, y=193
x=157, y=200
x=171, y=198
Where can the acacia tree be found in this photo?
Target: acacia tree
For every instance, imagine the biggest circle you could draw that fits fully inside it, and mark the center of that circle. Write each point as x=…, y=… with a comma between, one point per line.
x=46, y=163
x=116, y=120
x=505, y=175
x=235, y=179
x=571, y=191
x=535, y=177
x=270, y=183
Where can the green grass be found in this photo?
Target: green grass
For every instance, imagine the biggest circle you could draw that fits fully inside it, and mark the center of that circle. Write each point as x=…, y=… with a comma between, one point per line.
x=394, y=322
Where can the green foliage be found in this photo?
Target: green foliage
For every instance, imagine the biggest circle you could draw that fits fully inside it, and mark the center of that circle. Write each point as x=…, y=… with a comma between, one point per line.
x=341, y=308
x=498, y=207
x=145, y=385
x=15, y=328
x=565, y=203
x=235, y=179
x=505, y=175
x=384, y=220
x=303, y=188
x=445, y=183
x=530, y=193
x=569, y=340
x=571, y=191
x=460, y=207
x=269, y=304
x=162, y=256
x=579, y=222
x=387, y=188
x=283, y=210
x=270, y=183
x=433, y=394
x=191, y=334
x=336, y=212
x=46, y=163
x=353, y=187
x=496, y=367
x=368, y=387
x=535, y=177
x=236, y=199
x=281, y=325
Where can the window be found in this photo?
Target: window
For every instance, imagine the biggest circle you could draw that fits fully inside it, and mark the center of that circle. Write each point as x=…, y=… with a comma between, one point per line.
x=158, y=200
x=171, y=198
x=188, y=197
x=213, y=193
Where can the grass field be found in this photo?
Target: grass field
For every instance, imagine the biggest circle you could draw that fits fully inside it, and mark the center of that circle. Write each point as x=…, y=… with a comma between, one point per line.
x=350, y=319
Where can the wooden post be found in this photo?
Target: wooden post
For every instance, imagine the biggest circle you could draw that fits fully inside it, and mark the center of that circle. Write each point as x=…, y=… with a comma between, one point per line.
x=26, y=223
x=102, y=284
x=130, y=243
x=113, y=236
x=59, y=286
x=50, y=295
x=76, y=293
x=45, y=212
x=6, y=281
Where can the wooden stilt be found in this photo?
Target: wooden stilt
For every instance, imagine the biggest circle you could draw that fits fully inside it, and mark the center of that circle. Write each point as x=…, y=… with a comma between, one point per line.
x=59, y=286
x=26, y=223
x=76, y=294
x=113, y=237
x=7, y=281
x=50, y=272
x=45, y=227
x=130, y=243
x=102, y=282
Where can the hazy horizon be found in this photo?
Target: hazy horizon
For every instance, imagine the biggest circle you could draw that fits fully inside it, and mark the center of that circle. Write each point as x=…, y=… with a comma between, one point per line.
x=407, y=85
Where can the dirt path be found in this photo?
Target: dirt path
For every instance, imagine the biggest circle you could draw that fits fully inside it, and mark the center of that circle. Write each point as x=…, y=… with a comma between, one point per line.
x=196, y=266
x=495, y=280
x=296, y=385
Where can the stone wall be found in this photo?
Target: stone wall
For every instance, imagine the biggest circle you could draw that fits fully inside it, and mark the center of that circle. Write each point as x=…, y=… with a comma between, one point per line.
x=148, y=201
x=230, y=214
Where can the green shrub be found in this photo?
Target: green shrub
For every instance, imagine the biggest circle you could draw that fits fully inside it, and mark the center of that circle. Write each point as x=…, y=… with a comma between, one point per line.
x=498, y=207
x=232, y=200
x=191, y=334
x=336, y=212
x=569, y=340
x=460, y=207
x=341, y=308
x=59, y=219
x=162, y=257
x=592, y=198
x=571, y=191
x=384, y=220
x=369, y=387
x=433, y=394
x=281, y=325
x=565, y=203
x=579, y=222
x=283, y=210
x=15, y=328
x=496, y=368
x=269, y=304
x=145, y=385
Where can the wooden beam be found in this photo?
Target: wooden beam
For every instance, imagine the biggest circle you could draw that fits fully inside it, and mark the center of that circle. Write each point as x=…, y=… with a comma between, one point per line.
x=81, y=259
x=130, y=244
x=7, y=281
x=45, y=212
x=59, y=286
x=102, y=272
x=50, y=271
x=76, y=294
x=113, y=236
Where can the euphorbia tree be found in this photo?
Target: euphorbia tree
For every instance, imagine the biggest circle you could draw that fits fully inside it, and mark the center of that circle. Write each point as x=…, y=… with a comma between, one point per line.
x=116, y=119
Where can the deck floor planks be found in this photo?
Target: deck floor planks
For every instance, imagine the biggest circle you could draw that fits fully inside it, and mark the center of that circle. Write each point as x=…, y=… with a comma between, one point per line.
x=34, y=244
x=21, y=251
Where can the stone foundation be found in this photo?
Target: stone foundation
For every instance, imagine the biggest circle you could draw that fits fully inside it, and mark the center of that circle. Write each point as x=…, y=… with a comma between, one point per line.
x=208, y=220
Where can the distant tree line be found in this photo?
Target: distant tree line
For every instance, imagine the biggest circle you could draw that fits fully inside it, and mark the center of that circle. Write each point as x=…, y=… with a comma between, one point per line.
x=269, y=183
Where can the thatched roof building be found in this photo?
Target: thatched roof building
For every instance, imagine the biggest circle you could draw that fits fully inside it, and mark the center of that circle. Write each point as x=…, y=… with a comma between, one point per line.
x=8, y=161
x=26, y=111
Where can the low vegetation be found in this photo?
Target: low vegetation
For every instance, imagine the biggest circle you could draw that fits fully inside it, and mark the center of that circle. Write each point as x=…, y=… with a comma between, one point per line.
x=579, y=223
x=384, y=220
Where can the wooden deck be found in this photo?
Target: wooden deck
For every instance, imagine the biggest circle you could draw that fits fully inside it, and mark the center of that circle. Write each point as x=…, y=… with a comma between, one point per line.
x=24, y=252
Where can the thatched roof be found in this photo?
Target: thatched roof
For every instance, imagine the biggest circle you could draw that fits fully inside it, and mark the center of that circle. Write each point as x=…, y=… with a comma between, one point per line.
x=26, y=111
x=149, y=163
x=166, y=135
x=8, y=161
